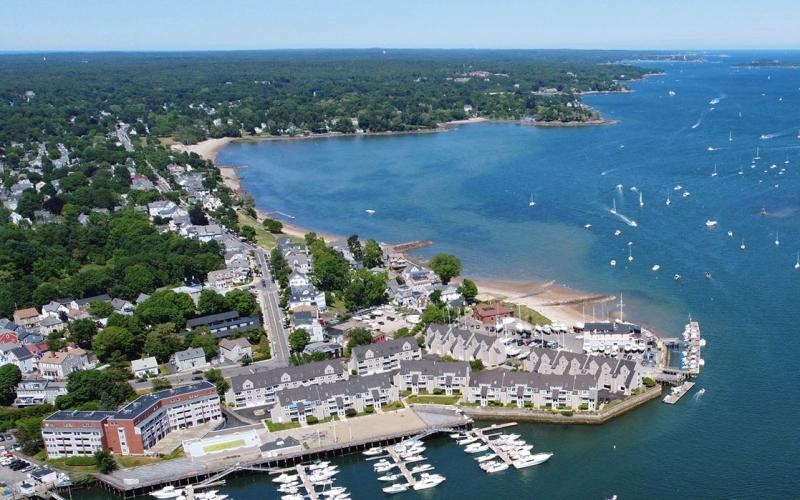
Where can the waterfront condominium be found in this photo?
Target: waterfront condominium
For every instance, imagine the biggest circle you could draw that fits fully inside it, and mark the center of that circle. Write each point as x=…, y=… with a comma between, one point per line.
x=136, y=427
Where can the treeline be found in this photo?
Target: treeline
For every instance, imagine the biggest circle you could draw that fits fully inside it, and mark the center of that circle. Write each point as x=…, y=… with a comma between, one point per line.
x=121, y=254
x=191, y=96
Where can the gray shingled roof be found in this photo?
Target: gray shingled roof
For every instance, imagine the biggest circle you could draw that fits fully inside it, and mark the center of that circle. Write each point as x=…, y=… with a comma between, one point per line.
x=324, y=392
x=190, y=353
x=434, y=367
x=385, y=348
x=273, y=377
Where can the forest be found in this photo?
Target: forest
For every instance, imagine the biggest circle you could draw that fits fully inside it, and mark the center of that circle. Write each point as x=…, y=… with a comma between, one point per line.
x=192, y=96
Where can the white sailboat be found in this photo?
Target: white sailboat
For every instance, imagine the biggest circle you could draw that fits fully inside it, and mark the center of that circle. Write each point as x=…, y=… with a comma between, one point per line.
x=614, y=207
x=630, y=253
x=641, y=201
x=714, y=173
x=532, y=203
x=758, y=154
x=742, y=246
x=777, y=240
x=797, y=264
x=668, y=202
x=730, y=136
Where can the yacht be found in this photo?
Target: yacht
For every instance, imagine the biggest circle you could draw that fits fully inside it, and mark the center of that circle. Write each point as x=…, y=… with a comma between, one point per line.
x=458, y=435
x=777, y=241
x=285, y=478
x=532, y=203
x=375, y=450
x=711, y=224
x=742, y=245
x=797, y=264
x=468, y=440
x=412, y=459
x=655, y=268
x=613, y=263
x=428, y=481
x=335, y=491
x=389, y=477
x=421, y=468
x=319, y=465
x=395, y=488
x=495, y=467
x=485, y=457
x=714, y=172
x=536, y=459
x=668, y=202
x=167, y=492
x=286, y=488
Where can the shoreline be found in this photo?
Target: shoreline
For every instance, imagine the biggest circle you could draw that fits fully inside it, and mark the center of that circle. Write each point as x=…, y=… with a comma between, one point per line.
x=557, y=302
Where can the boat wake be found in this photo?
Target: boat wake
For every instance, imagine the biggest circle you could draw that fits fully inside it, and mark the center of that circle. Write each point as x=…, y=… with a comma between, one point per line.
x=626, y=220
x=698, y=122
x=699, y=394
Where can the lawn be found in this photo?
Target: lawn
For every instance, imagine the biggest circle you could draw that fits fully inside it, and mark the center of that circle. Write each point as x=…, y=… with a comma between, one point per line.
x=127, y=462
x=437, y=400
x=60, y=463
x=280, y=426
x=224, y=446
x=264, y=238
x=530, y=315
x=397, y=405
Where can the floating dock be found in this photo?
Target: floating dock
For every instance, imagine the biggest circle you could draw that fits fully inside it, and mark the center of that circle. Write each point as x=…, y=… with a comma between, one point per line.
x=679, y=392
x=401, y=466
x=310, y=490
x=484, y=437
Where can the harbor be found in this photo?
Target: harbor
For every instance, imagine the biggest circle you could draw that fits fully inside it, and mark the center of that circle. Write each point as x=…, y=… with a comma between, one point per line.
x=678, y=392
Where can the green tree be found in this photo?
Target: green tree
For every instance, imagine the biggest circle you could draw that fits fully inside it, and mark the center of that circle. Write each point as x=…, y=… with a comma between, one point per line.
x=207, y=342
x=247, y=232
x=160, y=384
x=299, y=338
x=29, y=434
x=139, y=278
x=55, y=341
x=446, y=266
x=354, y=244
x=104, y=461
x=166, y=307
x=331, y=269
x=214, y=375
x=161, y=342
x=357, y=337
x=210, y=302
x=273, y=226
x=468, y=289
x=373, y=255
x=113, y=339
x=476, y=365
x=366, y=289
x=82, y=331
x=100, y=309
x=10, y=376
x=104, y=388
x=241, y=301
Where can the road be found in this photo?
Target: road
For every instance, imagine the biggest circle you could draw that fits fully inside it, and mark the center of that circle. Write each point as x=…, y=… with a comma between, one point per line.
x=273, y=321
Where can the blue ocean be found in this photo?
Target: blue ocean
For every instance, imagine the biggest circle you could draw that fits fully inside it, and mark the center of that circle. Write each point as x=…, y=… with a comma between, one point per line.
x=469, y=189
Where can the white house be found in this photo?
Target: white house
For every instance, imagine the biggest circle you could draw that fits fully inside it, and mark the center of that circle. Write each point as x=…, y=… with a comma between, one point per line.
x=383, y=357
x=235, y=349
x=143, y=367
x=190, y=359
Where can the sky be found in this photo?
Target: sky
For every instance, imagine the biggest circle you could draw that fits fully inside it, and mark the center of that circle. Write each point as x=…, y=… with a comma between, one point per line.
x=59, y=25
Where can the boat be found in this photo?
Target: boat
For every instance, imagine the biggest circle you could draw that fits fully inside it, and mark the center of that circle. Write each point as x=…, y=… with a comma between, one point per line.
x=730, y=136
x=797, y=263
x=613, y=263
x=714, y=101
x=389, y=477
x=686, y=194
x=168, y=491
x=714, y=172
x=614, y=207
x=677, y=188
x=668, y=202
x=496, y=467
x=677, y=277
x=617, y=232
x=671, y=93
x=428, y=481
x=630, y=254
x=730, y=234
x=655, y=268
x=641, y=201
x=532, y=203
x=777, y=241
x=395, y=488
x=369, y=211
x=468, y=440
x=285, y=478
x=421, y=468
x=536, y=459
x=711, y=224
x=319, y=465
x=375, y=450
x=486, y=457
x=742, y=245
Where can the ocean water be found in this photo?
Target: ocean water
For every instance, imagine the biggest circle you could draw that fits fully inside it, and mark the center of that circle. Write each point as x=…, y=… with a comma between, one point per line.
x=468, y=191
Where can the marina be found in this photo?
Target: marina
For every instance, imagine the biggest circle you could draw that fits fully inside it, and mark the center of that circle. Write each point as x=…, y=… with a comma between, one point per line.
x=678, y=392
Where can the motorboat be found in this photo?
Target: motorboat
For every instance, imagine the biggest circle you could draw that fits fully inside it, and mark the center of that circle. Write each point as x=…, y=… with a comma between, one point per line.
x=532, y=203
x=415, y=458
x=285, y=478
x=655, y=268
x=496, y=467
x=376, y=450
x=421, y=468
x=458, y=435
x=613, y=263
x=485, y=457
x=385, y=468
x=428, y=481
x=285, y=488
x=389, y=477
x=468, y=440
x=395, y=488
x=168, y=491
x=617, y=232
x=294, y=496
x=319, y=465
x=335, y=491
x=536, y=459
x=476, y=449
x=711, y=224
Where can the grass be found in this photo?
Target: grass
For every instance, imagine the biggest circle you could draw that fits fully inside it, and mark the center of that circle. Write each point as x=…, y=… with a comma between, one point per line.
x=437, y=400
x=397, y=405
x=60, y=463
x=127, y=462
x=532, y=316
x=224, y=446
x=280, y=426
x=264, y=238
x=176, y=453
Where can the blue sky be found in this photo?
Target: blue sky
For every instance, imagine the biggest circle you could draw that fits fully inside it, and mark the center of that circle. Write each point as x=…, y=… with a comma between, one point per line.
x=267, y=24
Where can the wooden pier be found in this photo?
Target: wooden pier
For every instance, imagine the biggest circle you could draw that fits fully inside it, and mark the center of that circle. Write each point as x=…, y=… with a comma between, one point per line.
x=410, y=245
x=484, y=437
x=402, y=467
x=675, y=396
x=307, y=484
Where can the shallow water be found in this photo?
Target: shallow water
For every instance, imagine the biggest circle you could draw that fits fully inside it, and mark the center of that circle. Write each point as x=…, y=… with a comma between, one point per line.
x=468, y=191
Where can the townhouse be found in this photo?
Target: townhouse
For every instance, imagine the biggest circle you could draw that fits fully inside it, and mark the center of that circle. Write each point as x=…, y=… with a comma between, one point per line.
x=224, y=324
x=323, y=401
x=307, y=295
x=432, y=375
x=258, y=387
x=464, y=345
x=383, y=357
x=520, y=389
x=58, y=365
x=616, y=377
x=39, y=391
x=136, y=427
x=608, y=337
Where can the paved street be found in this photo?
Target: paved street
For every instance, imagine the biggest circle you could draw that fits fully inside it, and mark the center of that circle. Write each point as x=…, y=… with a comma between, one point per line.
x=273, y=322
